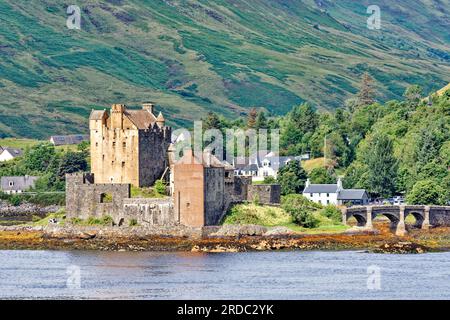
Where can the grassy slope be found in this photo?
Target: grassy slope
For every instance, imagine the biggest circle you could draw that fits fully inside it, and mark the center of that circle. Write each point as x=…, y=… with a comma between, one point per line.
x=194, y=56
x=273, y=216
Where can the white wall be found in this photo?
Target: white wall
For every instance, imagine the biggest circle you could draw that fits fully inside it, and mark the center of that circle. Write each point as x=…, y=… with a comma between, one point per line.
x=5, y=156
x=323, y=198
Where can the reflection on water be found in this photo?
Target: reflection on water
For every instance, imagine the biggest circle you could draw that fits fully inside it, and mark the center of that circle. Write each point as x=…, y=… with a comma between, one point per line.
x=263, y=275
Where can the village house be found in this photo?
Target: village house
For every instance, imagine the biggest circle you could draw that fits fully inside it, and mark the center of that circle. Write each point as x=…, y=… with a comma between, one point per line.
x=7, y=154
x=20, y=184
x=68, y=140
x=262, y=164
x=334, y=194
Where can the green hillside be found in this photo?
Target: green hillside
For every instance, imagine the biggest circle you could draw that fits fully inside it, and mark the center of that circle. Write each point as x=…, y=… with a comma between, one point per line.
x=197, y=56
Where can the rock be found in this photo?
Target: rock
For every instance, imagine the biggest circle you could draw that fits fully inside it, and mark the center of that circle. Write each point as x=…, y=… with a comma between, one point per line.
x=217, y=249
x=240, y=230
x=279, y=231
x=401, y=248
x=86, y=236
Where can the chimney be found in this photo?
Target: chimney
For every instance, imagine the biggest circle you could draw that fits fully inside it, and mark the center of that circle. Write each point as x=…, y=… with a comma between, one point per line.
x=149, y=106
x=308, y=183
x=339, y=184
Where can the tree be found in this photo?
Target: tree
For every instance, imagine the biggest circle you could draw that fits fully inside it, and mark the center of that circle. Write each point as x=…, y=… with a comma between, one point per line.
x=298, y=127
x=261, y=120
x=292, y=178
x=212, y=121
x=426, y=192
x=366, y=92
x=322, y=176
x=381, y=165
x=251, y=120
x=72, y=162
x=428, y=146
x=39, y=157
x=413, y=95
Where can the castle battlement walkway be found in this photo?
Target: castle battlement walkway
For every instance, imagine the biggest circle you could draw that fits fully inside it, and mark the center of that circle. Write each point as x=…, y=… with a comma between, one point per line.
x=426, y=216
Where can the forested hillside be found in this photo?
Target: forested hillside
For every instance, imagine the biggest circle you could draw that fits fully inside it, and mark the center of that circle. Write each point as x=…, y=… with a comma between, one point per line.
x=400, y=147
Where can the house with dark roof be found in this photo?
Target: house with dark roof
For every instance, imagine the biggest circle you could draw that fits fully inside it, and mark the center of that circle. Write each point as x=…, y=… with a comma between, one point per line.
x=19, y=184
x=69, y=139
x=335, y=194
x=7, y=154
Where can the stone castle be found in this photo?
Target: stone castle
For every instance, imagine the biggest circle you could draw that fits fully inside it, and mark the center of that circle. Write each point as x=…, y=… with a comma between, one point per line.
x=129, y=146
x=133, y=147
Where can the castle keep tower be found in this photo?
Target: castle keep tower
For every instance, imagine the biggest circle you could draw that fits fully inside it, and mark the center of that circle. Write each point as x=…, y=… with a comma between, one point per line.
x=128, y=146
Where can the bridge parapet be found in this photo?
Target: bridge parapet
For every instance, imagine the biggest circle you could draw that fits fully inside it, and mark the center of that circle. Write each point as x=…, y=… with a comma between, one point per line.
x=425, y=216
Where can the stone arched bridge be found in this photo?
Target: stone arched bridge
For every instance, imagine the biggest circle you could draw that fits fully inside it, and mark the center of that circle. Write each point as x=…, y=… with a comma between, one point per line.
x=426, y=216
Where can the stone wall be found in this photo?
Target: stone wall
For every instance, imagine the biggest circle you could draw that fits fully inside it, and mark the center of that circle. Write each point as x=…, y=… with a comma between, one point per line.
x=264, y=193
x=214, y=195
x=85, y=199
x=148, y=212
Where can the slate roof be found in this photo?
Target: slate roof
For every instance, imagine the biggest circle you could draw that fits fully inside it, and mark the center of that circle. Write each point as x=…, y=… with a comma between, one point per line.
x=321, y=188
x=12, y=151
x=352, y=194
x=70, y=139
x=21, y=183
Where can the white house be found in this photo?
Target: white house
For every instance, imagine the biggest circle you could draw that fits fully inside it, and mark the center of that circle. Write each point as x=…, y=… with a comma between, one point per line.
x=12, y=185
x=7, y=154
x=261, y=165
x=334, y=194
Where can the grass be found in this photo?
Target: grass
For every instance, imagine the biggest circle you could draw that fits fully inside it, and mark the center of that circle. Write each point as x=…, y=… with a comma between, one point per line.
x=269, y=216
x=93, y=221
x=145, y=193
x=23, y=143
x=312, y=164
x=60, y=216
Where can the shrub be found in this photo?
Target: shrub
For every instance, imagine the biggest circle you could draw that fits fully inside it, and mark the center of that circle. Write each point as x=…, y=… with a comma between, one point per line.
x=160, y=187
x=48, y=199
x=15, y=200
x=333, y=213
x=133, y=223
x=301, y=209
x=269, y=180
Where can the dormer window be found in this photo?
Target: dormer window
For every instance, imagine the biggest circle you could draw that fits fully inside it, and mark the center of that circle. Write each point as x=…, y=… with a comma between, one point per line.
x=11, y=183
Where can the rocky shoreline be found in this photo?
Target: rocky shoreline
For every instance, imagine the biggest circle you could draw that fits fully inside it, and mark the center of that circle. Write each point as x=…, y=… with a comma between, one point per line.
x=216, y=239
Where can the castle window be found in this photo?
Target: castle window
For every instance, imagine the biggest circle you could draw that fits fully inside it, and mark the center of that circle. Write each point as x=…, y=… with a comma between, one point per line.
x=96, y=144
x=124, y=144
x=106, y=198
x=123, y=164
x=103, y=157
x=112, y=162
x=114, y=144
